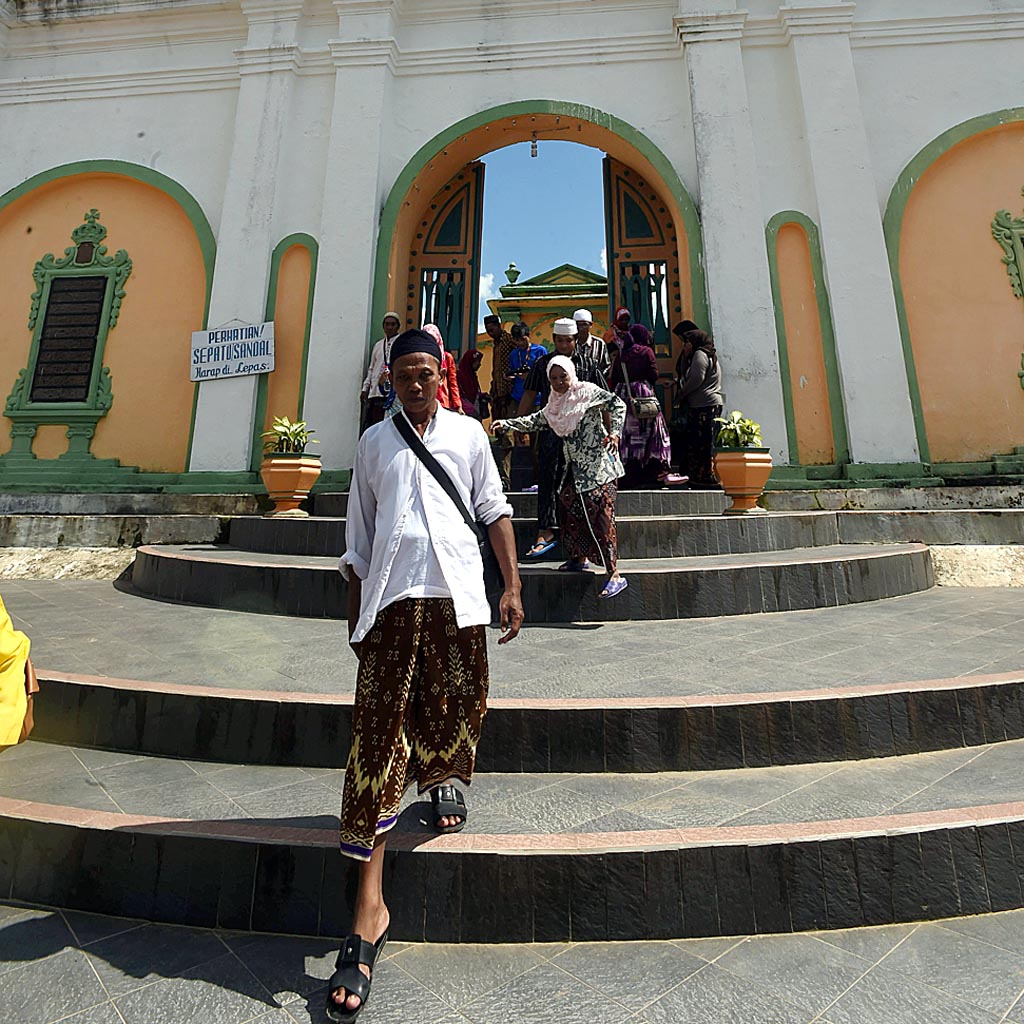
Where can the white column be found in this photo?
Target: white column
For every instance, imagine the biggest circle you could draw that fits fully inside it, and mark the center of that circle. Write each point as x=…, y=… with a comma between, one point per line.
x=224, y=416
x=732, y=217
x=867, y=328
x=6, y=24
x=352, y=202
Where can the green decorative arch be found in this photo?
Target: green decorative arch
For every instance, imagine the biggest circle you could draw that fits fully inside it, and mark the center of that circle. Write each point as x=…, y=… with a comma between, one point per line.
x=204, y=233
x=661, y=164
x=894, y=214
x=309, y=243
x=837, y=410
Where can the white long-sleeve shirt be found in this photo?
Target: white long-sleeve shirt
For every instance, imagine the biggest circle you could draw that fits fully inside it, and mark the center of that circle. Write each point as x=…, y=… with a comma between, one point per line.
x=379, y=358
x=392, y=492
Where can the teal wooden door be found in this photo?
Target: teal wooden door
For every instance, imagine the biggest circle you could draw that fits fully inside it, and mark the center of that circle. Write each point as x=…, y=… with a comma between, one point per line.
x=444, y=265
x=643, y=258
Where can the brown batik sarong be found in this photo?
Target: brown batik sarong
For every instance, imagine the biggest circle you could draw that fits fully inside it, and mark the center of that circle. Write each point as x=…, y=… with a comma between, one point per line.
x=587, y=522
x=421, y=695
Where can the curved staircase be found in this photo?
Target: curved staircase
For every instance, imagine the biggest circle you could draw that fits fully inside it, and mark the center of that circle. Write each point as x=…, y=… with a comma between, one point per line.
x=636, y=778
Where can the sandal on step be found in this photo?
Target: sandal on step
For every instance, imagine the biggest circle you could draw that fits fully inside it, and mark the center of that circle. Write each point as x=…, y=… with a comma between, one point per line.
x=448, y=803
x=347, y=975
x=540, y=549
x=613, y=587
x=573, y=566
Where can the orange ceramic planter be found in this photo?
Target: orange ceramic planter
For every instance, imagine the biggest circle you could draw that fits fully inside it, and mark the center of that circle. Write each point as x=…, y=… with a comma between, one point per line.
x=743, y=473
x=288, y=479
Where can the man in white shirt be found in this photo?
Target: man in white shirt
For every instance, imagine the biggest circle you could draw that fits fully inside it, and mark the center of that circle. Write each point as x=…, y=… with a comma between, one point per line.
x=589, y=344
x=377, y=385
x=417, y=617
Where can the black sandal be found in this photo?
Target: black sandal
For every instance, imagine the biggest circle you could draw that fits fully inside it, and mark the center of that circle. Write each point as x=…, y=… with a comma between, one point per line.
x=348, y=976
x=448, y=803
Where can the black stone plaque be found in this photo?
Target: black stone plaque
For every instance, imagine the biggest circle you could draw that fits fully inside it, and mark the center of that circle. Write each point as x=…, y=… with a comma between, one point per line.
x=67, y=344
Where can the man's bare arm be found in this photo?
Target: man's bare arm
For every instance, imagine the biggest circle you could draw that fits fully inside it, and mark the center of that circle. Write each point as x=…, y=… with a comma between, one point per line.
x=503, y=540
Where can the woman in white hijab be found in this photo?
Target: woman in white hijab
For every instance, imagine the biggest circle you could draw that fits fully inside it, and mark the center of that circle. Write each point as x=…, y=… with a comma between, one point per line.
x=586, y=501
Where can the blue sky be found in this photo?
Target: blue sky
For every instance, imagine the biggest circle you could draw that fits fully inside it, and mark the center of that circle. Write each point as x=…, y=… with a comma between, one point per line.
x=540, y=213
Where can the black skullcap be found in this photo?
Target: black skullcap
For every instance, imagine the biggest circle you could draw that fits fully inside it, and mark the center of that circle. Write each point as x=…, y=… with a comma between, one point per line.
x=414, y=340
x=492, y=318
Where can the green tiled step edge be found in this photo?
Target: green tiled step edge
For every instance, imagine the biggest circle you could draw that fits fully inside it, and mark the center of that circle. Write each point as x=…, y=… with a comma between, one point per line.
x=84, y=479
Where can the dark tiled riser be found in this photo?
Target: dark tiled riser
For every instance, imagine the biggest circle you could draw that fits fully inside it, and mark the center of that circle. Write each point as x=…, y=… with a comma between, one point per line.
x=629, y=503
x=647, y=538
x=256, y=731
x=549, y=596
x=486, y=897
x=952, y=526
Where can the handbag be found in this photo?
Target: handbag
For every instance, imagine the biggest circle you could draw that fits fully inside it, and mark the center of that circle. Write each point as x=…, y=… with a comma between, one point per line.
x=645, y=407
x=494, y=582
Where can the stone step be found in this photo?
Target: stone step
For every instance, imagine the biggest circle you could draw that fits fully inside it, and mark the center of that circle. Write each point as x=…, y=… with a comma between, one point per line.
x=679, y=536
x=571, y=858
x=108, y=531
x=84, y=503
x=638, y=536
x=551, y=734
x=660, y=588
x=664, y=502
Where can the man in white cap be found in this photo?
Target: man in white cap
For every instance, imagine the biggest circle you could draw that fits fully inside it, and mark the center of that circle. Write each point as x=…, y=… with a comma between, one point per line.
x=550, y=455
x=589, y=344
x=377, y=385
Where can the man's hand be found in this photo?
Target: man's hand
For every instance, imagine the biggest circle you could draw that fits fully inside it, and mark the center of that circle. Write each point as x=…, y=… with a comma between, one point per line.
x=611, y=442
x=511, y=608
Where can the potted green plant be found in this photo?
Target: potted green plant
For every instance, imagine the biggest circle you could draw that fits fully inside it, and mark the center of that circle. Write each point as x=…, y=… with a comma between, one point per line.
x=288, y=471
x=742, y=463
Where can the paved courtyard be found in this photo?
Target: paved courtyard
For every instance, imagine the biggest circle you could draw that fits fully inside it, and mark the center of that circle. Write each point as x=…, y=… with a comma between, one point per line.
x=86, y=969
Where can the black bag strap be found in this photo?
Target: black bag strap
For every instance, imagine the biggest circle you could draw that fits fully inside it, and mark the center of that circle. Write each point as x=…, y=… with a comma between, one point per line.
x=436, y=470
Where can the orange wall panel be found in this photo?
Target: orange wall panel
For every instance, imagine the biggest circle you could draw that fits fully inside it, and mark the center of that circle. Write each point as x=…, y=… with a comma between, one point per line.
x=966, y=326
x=147, y=352
x=804, y=343
x=291, y=306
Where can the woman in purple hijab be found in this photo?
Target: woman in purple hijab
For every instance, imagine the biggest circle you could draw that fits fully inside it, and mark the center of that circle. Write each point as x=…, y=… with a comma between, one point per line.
x=644, y=446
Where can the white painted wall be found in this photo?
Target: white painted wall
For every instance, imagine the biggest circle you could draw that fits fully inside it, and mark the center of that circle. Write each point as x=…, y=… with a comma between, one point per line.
x=156, y=82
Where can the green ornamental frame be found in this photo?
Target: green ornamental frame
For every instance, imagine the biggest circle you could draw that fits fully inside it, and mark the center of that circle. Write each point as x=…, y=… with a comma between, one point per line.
x=1008, y=231
x=87, y=257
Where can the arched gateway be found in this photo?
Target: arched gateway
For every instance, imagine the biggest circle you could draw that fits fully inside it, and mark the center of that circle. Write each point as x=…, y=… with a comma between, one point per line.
x=428, y=251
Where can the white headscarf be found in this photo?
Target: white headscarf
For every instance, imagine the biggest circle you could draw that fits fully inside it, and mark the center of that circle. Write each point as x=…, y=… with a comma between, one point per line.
x=564, y=412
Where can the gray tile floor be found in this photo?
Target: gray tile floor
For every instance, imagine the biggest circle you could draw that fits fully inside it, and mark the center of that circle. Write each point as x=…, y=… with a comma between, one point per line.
x=82, y=968
x=89, y=627
x=514, y=804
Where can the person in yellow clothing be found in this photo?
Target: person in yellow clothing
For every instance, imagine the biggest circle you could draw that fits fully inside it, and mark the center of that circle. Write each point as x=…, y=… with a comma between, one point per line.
x=14, y=669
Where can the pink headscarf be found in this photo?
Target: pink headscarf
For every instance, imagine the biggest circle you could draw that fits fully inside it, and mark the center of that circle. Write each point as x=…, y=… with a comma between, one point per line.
x=435, y=332
x=564, y=412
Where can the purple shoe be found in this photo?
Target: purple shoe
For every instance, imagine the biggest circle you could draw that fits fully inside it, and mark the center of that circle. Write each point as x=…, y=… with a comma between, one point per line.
x=573, y=566
x=613, y=587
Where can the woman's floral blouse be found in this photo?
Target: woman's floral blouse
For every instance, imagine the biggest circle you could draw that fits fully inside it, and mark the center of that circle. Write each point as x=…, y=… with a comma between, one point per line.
x=592, y=463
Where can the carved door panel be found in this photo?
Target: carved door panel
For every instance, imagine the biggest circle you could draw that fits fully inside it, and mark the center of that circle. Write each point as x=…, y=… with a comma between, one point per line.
x=444, y=265
x=643, y=259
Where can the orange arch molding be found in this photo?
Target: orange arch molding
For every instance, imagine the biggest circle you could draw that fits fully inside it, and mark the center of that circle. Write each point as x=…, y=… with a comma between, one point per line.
x=895, y=218
x=146, y=175
x=505, y=125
